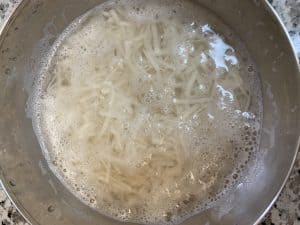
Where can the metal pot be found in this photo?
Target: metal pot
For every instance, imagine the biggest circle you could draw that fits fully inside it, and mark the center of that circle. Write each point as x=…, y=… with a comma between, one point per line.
x=43, y=200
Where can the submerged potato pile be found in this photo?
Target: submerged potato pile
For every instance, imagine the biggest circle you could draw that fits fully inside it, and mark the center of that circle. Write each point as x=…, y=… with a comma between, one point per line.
x=143, y=117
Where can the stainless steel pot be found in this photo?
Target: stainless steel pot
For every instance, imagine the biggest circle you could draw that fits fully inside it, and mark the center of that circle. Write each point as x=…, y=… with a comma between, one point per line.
x=43, y=200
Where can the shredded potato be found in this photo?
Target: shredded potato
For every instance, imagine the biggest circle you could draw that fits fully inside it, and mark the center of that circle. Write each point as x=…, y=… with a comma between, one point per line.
x=134, y=114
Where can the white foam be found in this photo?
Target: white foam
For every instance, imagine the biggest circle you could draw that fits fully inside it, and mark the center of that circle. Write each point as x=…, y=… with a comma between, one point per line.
x=213, y=158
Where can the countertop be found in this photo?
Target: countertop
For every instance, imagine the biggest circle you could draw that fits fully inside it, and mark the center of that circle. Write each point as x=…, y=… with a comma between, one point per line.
x=286, y=211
